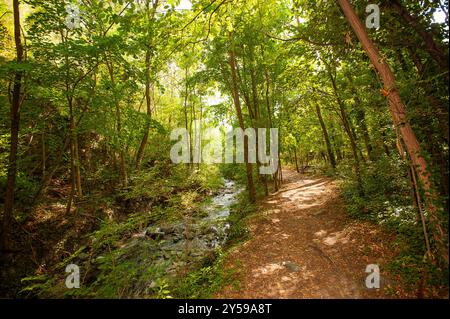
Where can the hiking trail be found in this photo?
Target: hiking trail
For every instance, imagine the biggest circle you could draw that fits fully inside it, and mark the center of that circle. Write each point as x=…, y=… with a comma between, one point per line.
x=304, y=245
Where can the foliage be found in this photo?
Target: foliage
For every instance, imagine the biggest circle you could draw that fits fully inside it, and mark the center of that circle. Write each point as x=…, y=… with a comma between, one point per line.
x=206, y=281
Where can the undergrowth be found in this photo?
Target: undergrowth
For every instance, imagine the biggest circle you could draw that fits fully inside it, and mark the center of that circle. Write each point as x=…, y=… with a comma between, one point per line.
x=117, y=263
x=387, y=200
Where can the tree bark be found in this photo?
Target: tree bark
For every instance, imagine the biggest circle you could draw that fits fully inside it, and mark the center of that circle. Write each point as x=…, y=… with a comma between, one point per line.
x=15, y=122
x=348, y=129
x=74, y=152
x=296, y=160
x=361, y=118
x=148, y=100
x=257, y=116
x=326, y=137
x=123, y=166
x=269, y=115
x=237, y=104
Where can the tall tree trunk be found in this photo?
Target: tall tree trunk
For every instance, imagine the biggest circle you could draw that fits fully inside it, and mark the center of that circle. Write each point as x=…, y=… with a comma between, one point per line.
x=326, y=137
x=348, y=129
x=269, y=115
x=148, y=100
x=400, y=120
x=254, y=85
x=73, y=139
x=237, y=104
x=44, y=153
x=296, y=160
x=15, y=121
x=72, y=177
x=74, y=153
x=185, y=110
x=123, y=165
x=57, y=164
x=257, y=117
x=361, y=118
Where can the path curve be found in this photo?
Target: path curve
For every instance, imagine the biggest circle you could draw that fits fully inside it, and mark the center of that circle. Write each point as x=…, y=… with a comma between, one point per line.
x=303, y=245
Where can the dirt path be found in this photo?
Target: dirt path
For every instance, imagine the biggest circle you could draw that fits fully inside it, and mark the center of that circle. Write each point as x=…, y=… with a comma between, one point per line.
x=303, y=245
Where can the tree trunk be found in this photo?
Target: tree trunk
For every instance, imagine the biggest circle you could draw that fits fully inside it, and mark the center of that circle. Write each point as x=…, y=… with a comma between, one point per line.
x=123, y=166
x=348, y=130
x=15, y=121
x=384, y=142
x=257, y=117
x=185, y=110
x=417, y=198
x=361, y=118
x=74, y=153
x=296, y=160
x=44, y=153
x=141, y=151
x=148, y=100
x=399, y=117
x=326, y=137
x=237, y=104
x=269, y=114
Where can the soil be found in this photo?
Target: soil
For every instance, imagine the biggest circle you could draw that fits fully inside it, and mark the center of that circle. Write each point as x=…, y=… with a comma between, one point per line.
x=304, y=245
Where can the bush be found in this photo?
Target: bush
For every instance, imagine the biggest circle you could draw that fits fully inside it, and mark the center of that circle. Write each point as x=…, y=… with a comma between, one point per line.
x=385, y=184
x=388, y=201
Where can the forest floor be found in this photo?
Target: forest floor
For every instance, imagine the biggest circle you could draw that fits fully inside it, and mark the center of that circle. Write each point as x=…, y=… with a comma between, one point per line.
x=48, y=236
x=304, y=245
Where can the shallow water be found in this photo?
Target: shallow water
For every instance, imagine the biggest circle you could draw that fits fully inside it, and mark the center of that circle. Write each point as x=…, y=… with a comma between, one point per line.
x=198, y=236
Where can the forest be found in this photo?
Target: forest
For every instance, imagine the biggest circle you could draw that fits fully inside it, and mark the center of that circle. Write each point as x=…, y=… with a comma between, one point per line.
x=224, y=149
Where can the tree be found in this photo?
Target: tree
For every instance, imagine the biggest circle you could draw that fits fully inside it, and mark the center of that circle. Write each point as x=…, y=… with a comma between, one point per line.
x=237, y=105
x=325, y=136
x=16, y=102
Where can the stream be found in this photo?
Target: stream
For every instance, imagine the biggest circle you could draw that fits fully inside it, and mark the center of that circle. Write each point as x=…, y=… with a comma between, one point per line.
x=192, y=239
